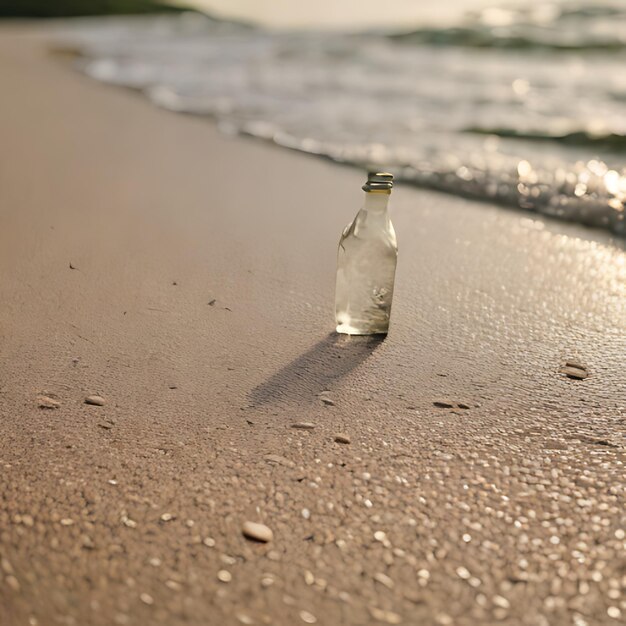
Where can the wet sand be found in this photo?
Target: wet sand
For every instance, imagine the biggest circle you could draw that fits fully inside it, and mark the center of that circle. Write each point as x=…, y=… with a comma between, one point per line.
x=187, y=279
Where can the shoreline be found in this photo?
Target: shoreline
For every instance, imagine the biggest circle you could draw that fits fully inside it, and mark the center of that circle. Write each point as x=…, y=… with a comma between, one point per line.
x=160, y=215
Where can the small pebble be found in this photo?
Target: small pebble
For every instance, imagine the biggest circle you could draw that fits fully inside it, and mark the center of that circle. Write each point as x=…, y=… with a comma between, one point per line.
x=46, y=402
x=308, y=618
x=173, y=585
x=257, y=532
x=342, y=438
x=13, y=583
x=146, y=598
x=167, y=517
x=389, y=617
x=574, y=363
x=224, y=576
x=66, y=521
x=209, y=542
x=306, y=513
x=94, y=400
x=327, y=401
x=501, y=601
x=303, y=425
x=383, y=579
x=279, y=460
x=574, y=370
x=443, y=404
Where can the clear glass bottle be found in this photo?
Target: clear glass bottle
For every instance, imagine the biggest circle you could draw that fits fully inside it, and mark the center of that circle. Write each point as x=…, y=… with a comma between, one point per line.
x=366, y=264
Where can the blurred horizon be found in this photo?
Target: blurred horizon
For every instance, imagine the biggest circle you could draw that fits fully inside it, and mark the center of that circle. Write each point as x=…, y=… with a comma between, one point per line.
x=349, y=15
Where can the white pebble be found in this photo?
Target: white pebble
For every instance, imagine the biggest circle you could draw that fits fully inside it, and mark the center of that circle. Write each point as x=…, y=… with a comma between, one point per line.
x=501, y=602
x=224, y=576
x=94, y=400
x=383, y=579
x=308, y=618
x=257, y=532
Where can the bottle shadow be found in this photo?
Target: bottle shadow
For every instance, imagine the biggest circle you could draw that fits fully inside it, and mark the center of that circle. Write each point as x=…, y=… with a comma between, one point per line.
x=329, y=360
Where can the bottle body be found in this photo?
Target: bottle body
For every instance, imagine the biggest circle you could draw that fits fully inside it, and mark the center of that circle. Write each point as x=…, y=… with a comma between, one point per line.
x=366, y=269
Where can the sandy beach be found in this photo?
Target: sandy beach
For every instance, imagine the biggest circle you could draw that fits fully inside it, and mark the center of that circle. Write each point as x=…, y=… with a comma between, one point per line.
x=187, y=278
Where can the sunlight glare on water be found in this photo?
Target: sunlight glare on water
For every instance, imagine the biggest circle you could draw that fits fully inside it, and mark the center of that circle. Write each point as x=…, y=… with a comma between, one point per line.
x=521, y=104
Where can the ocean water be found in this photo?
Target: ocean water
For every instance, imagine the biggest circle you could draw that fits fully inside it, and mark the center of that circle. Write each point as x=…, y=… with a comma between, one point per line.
x=524, y=107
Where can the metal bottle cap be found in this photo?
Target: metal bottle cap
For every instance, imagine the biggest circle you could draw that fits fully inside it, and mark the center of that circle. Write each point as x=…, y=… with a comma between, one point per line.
x=378, y=181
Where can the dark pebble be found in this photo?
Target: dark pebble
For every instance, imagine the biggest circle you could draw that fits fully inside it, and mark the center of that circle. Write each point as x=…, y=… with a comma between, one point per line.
x=574, y=370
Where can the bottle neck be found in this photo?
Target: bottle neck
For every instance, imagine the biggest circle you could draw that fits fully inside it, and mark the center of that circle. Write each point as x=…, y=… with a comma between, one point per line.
x=376, y=202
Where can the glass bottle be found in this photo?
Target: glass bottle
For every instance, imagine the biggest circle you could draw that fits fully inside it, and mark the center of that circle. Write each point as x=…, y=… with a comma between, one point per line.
x=366, y=264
